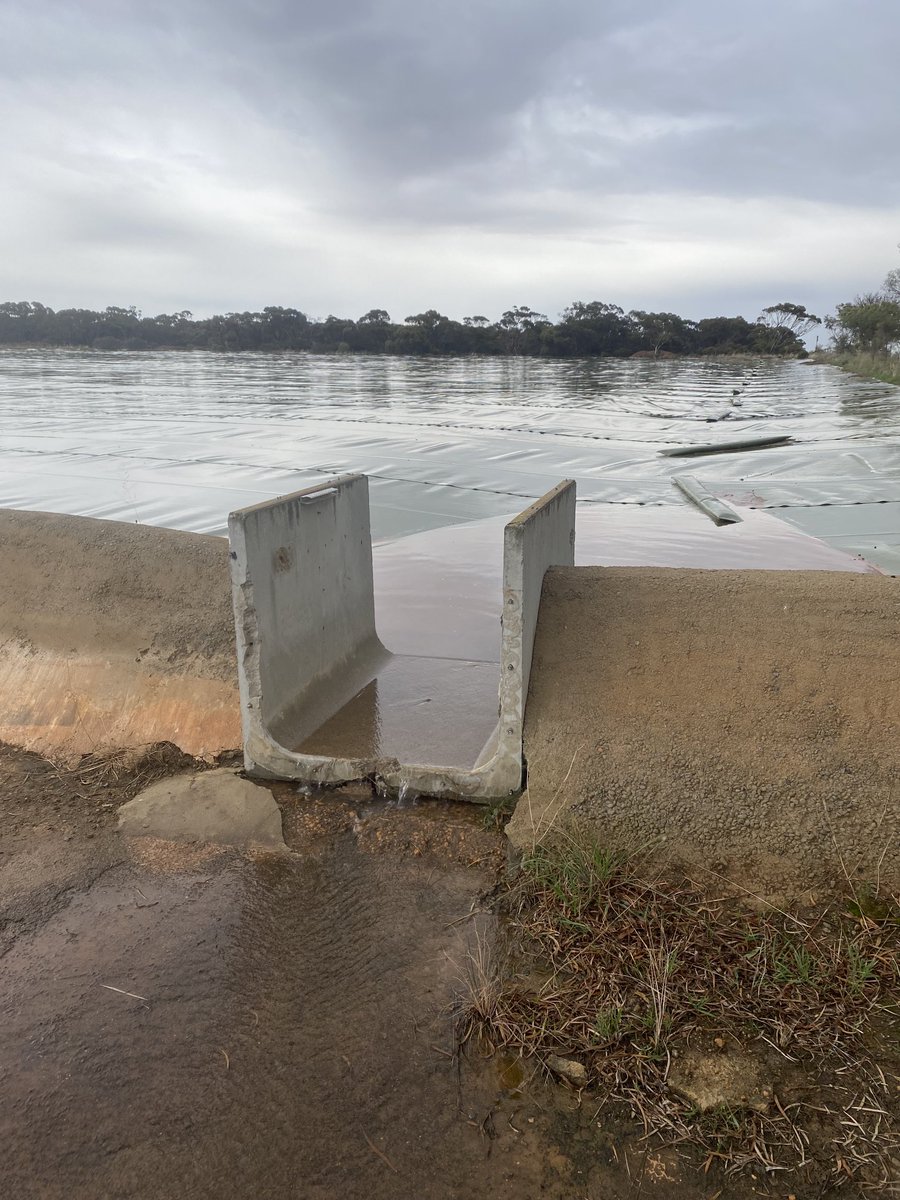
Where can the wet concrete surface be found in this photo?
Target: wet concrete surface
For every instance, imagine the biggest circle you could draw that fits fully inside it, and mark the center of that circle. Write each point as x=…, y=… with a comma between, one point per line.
x=188, y=1021
x=417, y=710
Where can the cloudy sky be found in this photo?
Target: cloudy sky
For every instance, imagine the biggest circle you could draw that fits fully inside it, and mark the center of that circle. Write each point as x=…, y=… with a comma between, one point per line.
x=339, y=155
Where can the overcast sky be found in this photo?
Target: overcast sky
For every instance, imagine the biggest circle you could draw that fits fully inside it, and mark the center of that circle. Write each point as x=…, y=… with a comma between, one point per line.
x=335, y=156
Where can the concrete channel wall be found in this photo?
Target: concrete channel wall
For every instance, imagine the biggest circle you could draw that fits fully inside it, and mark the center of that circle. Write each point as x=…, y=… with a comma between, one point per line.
x=542, y=536
x=303, y=594
x=307, y=643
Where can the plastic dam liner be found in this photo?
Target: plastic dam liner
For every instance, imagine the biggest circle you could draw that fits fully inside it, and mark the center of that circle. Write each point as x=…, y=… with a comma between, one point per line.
x=452, y=449
x=181, y=440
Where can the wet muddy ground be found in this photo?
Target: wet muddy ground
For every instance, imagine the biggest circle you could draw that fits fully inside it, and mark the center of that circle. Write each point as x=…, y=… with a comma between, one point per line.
x=191, y=1021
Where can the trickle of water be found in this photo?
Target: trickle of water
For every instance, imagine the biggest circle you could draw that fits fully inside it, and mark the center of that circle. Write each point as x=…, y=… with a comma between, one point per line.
x=407, y=796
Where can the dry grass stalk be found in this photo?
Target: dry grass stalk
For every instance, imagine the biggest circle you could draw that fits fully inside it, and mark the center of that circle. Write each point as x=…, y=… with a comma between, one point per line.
x=139, y=766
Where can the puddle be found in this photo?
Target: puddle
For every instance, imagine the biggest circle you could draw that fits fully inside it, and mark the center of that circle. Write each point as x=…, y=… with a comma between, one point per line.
x=181, y=1020
x=273, y=1026
x=511, y=1073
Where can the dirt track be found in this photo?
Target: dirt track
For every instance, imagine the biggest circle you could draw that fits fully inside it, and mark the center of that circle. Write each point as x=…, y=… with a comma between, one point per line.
x=747, y=721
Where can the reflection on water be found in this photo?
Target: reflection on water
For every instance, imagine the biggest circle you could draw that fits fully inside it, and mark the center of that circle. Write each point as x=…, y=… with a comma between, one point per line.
x=872, y=402
x=181, y=439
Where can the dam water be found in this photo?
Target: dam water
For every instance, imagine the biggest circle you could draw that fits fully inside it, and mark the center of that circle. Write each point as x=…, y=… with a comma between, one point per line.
x=453, y=448
x=180, y=439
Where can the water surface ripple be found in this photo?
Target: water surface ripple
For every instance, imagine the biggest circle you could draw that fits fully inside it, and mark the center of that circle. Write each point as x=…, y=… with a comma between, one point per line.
x=180, y=439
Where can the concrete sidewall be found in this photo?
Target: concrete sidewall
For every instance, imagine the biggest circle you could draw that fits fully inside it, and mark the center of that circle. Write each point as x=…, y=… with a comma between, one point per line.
x=304, y=612
x=308, y=560
x=541, y=537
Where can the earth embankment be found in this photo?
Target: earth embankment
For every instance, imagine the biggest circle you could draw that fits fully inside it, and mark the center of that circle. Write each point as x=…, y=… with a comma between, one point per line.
x=747, y=721
x=114, y=634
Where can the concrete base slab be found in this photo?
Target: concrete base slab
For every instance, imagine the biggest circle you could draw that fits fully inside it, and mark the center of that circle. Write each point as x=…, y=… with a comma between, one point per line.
x=214, y=806
x=415, y=710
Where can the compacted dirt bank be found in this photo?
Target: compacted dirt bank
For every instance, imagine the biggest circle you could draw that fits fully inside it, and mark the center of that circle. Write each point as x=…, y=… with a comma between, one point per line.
x=114, y=635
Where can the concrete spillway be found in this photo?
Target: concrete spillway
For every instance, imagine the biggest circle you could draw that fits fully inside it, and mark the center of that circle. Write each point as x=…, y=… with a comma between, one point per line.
x=311, y=661
x=116, y=634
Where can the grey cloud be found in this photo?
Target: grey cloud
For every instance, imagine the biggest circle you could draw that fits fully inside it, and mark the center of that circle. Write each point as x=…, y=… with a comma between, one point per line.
x=405, y=88
x=806, y=100
x=808, y=104
x=148, y=127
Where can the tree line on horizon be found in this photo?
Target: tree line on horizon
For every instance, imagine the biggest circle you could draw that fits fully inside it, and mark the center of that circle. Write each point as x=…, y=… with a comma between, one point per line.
x=870, y=323
x=584, y=329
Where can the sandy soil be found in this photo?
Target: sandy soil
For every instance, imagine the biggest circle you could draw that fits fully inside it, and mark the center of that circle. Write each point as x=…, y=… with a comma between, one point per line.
x=106, y=587
x=746, y=721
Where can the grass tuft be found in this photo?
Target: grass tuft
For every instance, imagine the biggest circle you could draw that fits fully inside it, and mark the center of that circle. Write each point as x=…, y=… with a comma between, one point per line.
x=638, y=967
x=574, y=871
x=885, y=367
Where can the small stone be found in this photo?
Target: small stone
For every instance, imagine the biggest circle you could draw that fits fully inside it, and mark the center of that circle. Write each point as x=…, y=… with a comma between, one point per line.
x=569, y=1069
x=212, y=806
x=709, y=1080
